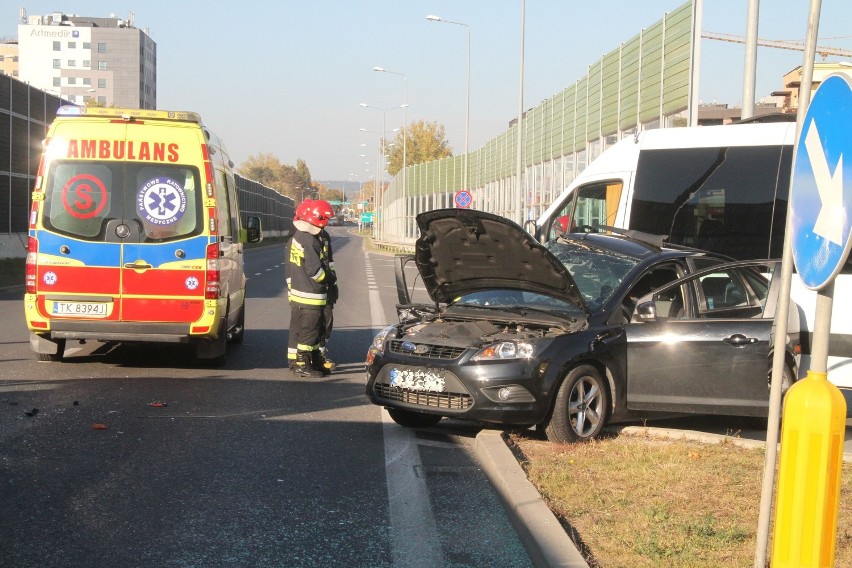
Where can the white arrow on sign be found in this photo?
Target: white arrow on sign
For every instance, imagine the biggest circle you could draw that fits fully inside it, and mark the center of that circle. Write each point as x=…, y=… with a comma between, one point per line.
x=829, y=223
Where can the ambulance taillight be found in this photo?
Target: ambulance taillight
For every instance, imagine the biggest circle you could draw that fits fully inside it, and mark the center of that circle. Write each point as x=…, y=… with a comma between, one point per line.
x=32, y=261
x=212, y=289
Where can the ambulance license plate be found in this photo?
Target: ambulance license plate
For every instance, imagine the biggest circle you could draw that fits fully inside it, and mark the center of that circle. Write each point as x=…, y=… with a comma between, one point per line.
x=89, y=309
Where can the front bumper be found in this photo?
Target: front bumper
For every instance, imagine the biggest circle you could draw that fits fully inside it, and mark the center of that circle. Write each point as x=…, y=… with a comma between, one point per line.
x=498, y=392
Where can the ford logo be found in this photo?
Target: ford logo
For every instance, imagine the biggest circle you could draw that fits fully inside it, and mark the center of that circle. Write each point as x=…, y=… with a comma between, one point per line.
x=408, y=347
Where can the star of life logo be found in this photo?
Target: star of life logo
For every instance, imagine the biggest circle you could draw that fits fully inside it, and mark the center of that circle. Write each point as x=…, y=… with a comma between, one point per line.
x=49, y=278
x=191, y=283
x=161, y=201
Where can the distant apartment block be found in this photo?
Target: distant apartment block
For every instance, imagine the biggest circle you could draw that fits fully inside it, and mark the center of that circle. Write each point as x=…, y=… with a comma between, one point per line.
x=9, y=57
x=82, y=57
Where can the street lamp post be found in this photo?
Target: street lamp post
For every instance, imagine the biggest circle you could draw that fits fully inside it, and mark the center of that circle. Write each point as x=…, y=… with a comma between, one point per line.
x=467, y=107
x=379, y=173
x=404, y=145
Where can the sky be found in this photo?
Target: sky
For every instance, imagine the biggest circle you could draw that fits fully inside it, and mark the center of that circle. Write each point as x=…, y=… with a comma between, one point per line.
x=286, y=77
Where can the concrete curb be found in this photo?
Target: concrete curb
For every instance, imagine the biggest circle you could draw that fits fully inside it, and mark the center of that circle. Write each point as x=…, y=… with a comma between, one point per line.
x=538, y=528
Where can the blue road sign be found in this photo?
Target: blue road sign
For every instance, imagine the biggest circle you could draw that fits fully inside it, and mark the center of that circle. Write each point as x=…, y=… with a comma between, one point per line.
x=463, y=199
x=821, y=194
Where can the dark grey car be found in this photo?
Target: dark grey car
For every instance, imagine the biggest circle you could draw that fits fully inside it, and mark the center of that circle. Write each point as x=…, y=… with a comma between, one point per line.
x=590, y=329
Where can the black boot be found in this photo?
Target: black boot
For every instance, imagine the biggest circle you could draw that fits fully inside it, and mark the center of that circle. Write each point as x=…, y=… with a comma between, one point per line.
x=303, y=368
x=320, y=363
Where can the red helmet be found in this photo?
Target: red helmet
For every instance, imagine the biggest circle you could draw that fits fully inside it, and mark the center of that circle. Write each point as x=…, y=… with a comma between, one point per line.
x=317, y=212
x=302, y=209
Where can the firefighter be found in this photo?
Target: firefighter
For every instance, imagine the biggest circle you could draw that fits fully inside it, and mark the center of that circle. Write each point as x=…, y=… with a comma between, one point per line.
x=309, y=277
x=321, y=355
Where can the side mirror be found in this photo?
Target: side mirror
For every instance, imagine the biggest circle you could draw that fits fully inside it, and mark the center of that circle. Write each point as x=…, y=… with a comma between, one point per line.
x=647, y=311
x=254, y=233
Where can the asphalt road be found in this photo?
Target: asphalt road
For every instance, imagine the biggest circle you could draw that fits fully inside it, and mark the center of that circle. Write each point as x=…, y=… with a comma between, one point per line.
x=134, y=456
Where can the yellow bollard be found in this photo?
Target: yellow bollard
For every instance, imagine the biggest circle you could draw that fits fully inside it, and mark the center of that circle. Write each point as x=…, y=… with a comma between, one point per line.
x=808, y=499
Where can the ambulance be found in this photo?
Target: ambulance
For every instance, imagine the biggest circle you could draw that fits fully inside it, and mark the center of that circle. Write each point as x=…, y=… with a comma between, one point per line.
x=135, y=234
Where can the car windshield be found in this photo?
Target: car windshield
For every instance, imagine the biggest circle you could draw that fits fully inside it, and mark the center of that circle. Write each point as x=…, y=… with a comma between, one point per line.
x=519, y=301
x=597, y=272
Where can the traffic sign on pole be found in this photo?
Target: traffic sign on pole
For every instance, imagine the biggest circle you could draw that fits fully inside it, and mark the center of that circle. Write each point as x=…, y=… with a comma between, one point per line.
x=814, y=415
x=463, y=199
x=822, y=184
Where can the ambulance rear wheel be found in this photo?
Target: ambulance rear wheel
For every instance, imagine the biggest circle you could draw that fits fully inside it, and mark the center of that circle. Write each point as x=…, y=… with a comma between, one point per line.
x=211, y=353
x=236, y=337
x=54, y=357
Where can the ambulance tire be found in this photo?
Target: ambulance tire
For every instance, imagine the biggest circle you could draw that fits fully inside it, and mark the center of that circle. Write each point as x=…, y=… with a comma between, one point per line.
x=54, y=357
x=212, y=353
x=236, y=337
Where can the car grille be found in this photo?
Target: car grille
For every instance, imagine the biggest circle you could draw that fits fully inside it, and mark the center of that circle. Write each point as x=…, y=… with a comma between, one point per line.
x=455, y=401
x=434, y=351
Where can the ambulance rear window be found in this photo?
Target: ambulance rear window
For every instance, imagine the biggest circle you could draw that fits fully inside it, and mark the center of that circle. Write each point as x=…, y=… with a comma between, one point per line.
x=119, y=201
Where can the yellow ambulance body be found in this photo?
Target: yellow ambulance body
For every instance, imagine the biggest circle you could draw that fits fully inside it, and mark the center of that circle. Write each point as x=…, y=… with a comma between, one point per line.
x=135, y=234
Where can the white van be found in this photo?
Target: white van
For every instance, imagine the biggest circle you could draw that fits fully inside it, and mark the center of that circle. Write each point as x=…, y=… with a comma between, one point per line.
x=719, y=188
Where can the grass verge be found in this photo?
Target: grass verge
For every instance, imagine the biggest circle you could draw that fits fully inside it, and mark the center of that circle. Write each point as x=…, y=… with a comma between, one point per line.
x=640, y=502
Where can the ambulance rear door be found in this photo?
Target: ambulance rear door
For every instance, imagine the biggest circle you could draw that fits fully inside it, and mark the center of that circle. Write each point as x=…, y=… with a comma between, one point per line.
x=123, y=226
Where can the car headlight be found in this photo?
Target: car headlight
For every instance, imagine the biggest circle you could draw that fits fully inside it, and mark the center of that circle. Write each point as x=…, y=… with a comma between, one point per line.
x=505, y=350
x=379, y=340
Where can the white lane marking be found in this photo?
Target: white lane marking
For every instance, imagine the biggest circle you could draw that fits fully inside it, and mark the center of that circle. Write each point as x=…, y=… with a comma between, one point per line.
x=414, y=535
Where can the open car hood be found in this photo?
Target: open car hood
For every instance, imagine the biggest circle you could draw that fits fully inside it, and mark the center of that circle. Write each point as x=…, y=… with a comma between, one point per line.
x=460, y=251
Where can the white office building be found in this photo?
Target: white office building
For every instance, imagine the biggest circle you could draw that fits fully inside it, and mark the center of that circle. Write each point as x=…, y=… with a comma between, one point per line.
x=81, y=57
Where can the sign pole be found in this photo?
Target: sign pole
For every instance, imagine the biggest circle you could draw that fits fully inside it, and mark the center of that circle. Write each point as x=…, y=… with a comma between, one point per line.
x=814, y=416
x=782, y=314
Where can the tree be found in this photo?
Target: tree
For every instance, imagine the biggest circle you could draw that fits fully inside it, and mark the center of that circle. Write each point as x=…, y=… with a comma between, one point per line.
x=303, y=174
x=425, y=141
x=266, y=169
x=294, y=182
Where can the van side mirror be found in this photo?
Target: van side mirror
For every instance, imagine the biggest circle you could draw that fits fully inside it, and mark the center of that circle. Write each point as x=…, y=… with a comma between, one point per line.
x=254, y=233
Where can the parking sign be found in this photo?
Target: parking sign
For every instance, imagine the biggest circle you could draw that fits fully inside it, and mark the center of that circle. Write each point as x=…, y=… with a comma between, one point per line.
x=463, y=199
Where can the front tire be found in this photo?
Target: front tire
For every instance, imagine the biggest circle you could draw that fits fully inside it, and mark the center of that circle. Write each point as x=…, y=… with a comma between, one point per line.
x=580, y=410
x=411, y=419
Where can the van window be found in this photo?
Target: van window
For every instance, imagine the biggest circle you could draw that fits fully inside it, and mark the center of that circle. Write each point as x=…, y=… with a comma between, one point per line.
x=223, y=198
x=155, y=201
x=592, y=204
x=728, y=200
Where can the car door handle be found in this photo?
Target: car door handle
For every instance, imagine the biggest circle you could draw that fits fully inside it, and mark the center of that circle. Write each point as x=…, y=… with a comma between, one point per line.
x=138, y=265
x=738, y=339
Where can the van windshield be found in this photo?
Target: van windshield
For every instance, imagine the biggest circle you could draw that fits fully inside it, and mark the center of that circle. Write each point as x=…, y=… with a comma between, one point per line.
x=120, y=201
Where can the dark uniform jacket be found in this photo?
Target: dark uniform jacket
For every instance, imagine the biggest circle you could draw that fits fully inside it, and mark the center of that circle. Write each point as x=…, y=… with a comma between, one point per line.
x=308, y=272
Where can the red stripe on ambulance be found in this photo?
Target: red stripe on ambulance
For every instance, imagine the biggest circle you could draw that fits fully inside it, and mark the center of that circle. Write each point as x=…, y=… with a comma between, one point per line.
x=164, y=282
x=161, y=309
x=78, y=279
